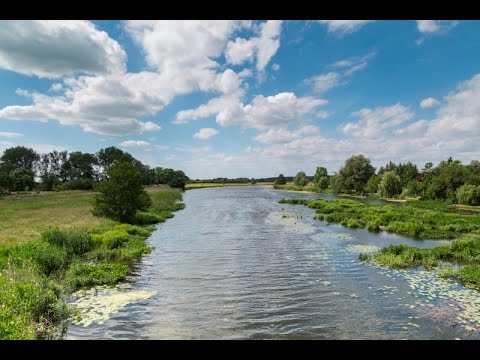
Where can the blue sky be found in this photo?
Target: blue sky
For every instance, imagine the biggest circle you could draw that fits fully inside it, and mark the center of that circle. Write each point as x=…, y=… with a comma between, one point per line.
x=244, y=98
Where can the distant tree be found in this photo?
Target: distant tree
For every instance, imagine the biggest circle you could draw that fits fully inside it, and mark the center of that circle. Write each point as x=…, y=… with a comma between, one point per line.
x=121, y=193
x=280, y=180
x=21, y=178
x=390, y=185
x=81, y=170
x=19, y=157
x=253, y=181
x=107, y=156
x=320, y=179
x=4, y=181
x=336, y=183
x=372, y=184
x=355, y=173
x=468, y=194
x=178, y=180
x=427, y=167
x=300, y=179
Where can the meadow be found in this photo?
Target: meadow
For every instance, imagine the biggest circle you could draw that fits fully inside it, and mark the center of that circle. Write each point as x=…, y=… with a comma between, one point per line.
x=51, y=245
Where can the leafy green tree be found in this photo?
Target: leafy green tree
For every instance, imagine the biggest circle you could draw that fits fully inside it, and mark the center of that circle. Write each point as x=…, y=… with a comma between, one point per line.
x=390, y=185
x=107, y=156
x=121, y=193
x=355, y=173
x=372, y=184
x=21, y=178
x=280, y=180
x=300, y=179
x=320, y=179
x=468, y=194
x=336, y=183
x=178, y=180
x=4, y=181
x=19, y=157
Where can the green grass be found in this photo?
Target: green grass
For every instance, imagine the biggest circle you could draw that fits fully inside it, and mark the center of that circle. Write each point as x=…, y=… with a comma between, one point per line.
x=36, y=273
x=417, y=219
x=290, y=186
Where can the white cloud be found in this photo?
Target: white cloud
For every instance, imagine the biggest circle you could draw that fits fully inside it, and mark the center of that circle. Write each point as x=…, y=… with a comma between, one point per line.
x=134, y=143
x=205, y=133
x=271, y=111
x=429, y=102
x=262, y=47
x=108, y=104
x=323, y=114
x=53, y=48
x=56, y=87
x=22, y=92
x=343, y=27
x=263, y=112
x=10, y=135
x=373, y=122
x=435, y=26
x=275, y=67
x=346, y=67
x=323, y=83
x=274, y=136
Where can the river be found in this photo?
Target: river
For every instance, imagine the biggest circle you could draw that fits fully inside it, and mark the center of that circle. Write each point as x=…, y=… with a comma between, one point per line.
x=236, y=264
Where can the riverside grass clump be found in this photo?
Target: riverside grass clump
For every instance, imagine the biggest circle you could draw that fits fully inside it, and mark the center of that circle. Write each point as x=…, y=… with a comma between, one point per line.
x=415, y=219
x=36, y=274
x=465, y=252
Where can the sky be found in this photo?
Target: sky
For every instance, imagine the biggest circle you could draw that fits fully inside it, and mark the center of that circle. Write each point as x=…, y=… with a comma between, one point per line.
x=244, y=98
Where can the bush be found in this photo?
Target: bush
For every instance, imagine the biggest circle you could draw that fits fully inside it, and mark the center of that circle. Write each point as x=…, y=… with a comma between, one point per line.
x=121, y=193
x=468, y=194
x=300, y=179
x=147, y=218
x=470, y=274
x=74, y=241
x=390, y=185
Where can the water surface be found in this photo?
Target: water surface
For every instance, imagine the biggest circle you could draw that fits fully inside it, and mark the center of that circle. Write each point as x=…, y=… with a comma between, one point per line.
x=236, y=264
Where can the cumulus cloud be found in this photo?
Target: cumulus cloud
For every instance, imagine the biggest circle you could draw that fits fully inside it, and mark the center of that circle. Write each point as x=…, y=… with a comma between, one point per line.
x=343, y=27
x=435, y=26
x=56, y=87
x=373, y=122
x=262, y=47
x=429, y=102
x=274, y=136
x=54, y=48
x=205, y=133
x=135, y=143
x=108, y=104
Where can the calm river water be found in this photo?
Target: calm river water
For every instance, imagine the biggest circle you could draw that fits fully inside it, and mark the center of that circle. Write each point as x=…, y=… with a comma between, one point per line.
x=236, y=264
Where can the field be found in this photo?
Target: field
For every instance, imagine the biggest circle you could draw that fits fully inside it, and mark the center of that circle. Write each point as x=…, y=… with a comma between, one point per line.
x=52, y=245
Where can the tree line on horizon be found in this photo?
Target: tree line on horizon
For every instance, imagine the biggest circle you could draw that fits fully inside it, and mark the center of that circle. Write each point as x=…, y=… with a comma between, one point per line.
x=450, y=180
x=23, y=169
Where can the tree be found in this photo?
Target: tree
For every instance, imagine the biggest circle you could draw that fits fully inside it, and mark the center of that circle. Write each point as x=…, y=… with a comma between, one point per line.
x=390, y=185
x=280, y=180
x=18, y=157
x=300, y=179
x=320, y=179
x=336, y=183
x=106, y=157
x=178, y=180
x=468, y=194
x=372, y=184
x=121, y=193
x=21, y=179
x=355, y=173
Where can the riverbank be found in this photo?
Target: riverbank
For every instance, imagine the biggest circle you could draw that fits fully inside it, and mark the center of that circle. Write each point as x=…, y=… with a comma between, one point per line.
x=409, y=220
x=43, y=257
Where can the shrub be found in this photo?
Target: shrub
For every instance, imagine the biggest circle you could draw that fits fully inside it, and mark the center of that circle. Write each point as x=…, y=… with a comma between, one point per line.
x=470, y=274
x=74, y=241
x=111, y=239
x=121, y=193
x=468, y=194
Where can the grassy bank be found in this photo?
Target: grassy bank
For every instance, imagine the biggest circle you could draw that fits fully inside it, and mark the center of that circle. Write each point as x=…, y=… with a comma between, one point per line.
x=421, y=220
x=464, y=253
x=36, y=273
